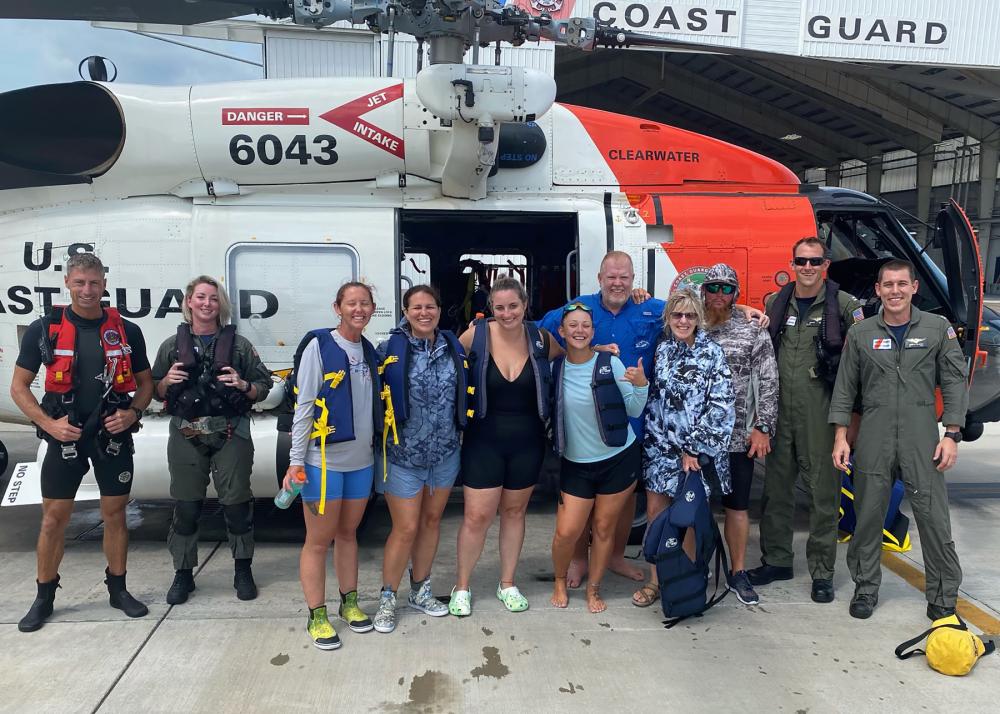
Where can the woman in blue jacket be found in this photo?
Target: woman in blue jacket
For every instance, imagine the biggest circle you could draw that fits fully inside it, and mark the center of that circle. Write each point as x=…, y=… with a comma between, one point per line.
x=425, y=370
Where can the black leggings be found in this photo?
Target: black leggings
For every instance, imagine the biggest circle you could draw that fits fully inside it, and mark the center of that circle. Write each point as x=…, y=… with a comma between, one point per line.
x=503, y=450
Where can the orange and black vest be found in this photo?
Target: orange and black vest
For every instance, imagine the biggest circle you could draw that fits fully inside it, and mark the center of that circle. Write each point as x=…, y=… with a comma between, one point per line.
x=60, y=362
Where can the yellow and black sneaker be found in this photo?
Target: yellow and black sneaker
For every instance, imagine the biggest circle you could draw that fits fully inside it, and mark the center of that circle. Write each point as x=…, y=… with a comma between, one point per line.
x=322, y=632
x=357, y=620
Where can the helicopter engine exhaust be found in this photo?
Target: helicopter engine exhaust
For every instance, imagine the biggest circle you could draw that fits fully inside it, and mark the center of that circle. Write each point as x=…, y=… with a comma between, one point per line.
x=73, y=129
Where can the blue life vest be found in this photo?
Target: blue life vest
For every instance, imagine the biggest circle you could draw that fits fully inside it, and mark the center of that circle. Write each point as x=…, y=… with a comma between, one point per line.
x=333, y=410
x=612, y=419
x=683, y=582
x=479, y=358
x=396, y=370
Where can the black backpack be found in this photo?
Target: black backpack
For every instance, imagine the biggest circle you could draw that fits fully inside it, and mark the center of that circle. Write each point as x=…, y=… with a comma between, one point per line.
x=683, y=582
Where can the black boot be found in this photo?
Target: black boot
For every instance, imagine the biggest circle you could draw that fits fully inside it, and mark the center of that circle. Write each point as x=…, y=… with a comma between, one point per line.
x=41, y=608
x=182, y=586
x=120, y=598
x=246, y=588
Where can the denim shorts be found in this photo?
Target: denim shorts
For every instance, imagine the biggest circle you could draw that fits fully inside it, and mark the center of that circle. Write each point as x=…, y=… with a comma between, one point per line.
x=348, y=485
x=407, y=482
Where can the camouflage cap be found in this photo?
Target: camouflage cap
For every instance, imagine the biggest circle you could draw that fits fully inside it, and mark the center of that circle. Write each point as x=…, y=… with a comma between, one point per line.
x=721, y=273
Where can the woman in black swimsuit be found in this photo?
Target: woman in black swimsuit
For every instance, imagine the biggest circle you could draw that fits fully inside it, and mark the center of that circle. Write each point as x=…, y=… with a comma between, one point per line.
x=504, y=445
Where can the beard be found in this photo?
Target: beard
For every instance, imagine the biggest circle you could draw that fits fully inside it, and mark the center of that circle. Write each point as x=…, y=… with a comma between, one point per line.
x=715, y=316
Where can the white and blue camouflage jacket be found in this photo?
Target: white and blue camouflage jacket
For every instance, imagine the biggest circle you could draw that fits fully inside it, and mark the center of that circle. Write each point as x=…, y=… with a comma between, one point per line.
x=690, y=409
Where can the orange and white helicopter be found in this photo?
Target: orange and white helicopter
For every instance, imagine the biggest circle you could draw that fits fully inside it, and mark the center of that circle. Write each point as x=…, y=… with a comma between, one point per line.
x=284, y=189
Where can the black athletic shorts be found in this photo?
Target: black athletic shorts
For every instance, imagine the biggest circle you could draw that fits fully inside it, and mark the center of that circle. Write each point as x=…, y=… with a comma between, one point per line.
x=503, y=451
x=61, y=477
x=741, y=476
x=602, y=478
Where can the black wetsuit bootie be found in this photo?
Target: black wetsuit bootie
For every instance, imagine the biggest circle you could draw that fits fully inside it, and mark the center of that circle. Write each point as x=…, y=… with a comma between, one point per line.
x=246, y=588
x=41, y=608
x=182, y=586
x=120, y=598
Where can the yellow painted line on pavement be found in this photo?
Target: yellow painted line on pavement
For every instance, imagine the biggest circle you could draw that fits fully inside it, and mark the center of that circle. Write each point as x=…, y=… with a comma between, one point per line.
x=968, y=611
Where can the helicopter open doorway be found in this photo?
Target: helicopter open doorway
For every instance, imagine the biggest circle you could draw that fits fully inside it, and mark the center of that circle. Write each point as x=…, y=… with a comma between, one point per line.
x=462, y=252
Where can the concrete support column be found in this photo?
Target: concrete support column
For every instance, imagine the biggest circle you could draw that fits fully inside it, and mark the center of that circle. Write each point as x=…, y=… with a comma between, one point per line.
x=873, y=176
x=989, y=154
x=833, y=176
x=925, y=171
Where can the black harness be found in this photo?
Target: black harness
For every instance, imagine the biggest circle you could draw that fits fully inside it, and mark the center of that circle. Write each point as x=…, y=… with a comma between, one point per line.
x=201, y=394
x=829, y=337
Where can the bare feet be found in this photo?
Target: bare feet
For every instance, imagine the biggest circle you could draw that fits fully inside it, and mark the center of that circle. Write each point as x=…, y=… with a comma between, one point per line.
x=576, y=573
x=560, y=598
x=620, y=566
x=595, y=603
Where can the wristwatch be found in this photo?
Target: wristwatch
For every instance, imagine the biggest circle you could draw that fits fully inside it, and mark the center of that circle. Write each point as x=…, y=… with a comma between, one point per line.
x=763, y=429
x=138, y=413
x=249, y=386
x=955, y=436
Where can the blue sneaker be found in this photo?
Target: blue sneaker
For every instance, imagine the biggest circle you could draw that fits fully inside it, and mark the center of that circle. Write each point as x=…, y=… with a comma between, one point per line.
x=739, y=583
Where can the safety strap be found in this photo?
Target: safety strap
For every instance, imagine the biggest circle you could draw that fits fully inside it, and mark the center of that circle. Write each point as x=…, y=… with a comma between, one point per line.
x=322, y=429
x=390, y=416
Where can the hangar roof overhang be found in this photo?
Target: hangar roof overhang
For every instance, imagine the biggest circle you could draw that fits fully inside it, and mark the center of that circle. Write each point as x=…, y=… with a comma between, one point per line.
x=805, y=112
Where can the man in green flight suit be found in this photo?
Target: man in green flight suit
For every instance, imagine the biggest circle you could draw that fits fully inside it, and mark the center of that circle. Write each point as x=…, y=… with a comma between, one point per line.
x=209, y=378
x=894, y=361
x=801, y=313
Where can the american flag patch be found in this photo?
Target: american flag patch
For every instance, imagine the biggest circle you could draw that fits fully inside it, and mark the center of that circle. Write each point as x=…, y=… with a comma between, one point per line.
x=951, y=332
x=858, y=315
x=881, y=343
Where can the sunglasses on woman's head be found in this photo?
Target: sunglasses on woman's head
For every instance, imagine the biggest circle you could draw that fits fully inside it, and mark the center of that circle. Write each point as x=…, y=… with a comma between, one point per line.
x=814, y=262
x=576, y=306
x=720, y=288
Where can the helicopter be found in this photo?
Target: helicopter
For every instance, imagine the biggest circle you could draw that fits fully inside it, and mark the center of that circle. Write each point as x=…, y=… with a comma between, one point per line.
x=285, y=189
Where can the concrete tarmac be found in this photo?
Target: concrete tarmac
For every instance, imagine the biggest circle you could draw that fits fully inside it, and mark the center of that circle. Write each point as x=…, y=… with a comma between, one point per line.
x=216, y=654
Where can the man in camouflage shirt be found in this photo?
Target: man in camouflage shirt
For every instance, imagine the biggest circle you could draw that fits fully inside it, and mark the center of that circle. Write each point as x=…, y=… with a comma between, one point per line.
x=755, y=384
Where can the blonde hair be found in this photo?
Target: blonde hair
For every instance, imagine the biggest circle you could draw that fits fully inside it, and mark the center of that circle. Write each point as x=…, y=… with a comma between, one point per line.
x=682, y=300
x=225, y=307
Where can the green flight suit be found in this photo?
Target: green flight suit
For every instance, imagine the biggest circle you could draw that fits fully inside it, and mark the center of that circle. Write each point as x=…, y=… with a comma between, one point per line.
x=224, y=453
x=803, y=444
x=899, y=433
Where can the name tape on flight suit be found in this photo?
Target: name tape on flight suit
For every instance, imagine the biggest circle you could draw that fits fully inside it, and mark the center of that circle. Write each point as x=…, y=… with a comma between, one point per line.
x=882, y=343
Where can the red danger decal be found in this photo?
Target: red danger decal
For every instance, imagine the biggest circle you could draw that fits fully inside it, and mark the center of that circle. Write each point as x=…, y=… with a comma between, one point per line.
x=348, y=117
x=264, y=116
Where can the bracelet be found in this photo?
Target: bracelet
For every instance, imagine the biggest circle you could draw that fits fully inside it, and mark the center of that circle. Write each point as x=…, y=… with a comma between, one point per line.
x=138, y=413
x=249, y=387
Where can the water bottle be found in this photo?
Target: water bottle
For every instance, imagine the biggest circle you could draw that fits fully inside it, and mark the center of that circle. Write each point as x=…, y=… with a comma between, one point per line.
x=285, y=496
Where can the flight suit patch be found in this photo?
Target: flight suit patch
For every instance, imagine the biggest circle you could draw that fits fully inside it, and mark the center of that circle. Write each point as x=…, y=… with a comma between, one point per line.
x=915, y=343
x=790, y=322
x=951, y=332
x=858, y=314
x=882, y=343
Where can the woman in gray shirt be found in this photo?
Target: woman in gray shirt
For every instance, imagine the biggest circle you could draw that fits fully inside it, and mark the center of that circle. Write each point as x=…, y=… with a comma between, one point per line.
x=337, y=376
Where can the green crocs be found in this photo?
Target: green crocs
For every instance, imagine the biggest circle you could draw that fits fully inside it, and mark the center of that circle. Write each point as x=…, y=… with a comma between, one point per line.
x=512, y=598
x=460, y=604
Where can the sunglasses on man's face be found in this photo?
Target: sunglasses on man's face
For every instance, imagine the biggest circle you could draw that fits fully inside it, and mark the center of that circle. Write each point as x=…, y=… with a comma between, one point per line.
x=720, y=288
x=576, y=306
x=802, y=261
x=678, y=316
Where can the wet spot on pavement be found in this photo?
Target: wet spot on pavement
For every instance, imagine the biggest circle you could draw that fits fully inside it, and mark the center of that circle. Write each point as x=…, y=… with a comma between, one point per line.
x=573, y=688
x=400, y=682
x=586, y=642
x=492, y=667
x=605, y=624
x=512, y=638
x=279, y=659
x=487, y=631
